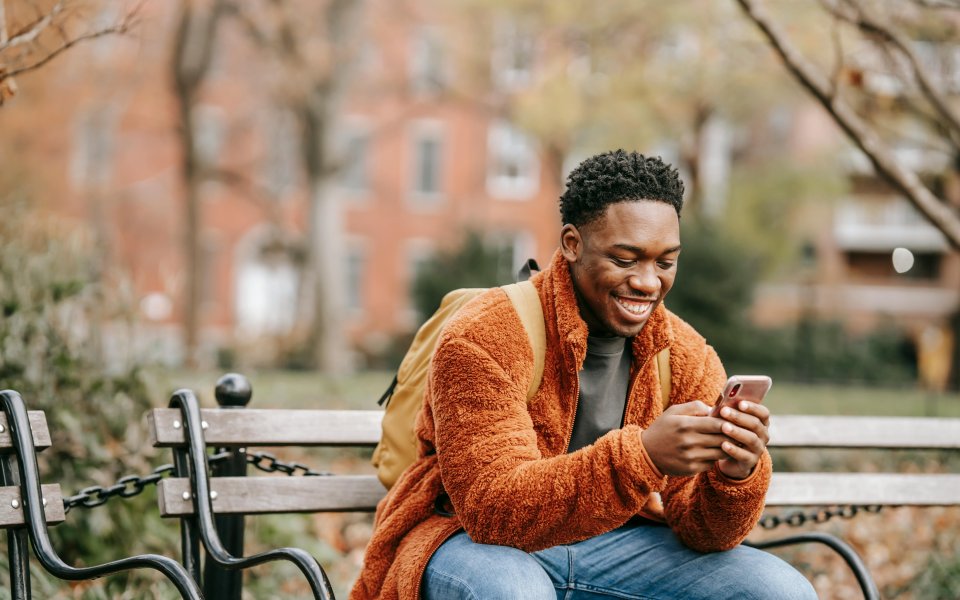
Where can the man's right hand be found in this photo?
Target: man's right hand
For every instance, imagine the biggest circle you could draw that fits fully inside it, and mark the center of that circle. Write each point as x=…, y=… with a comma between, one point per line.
x=685, y=440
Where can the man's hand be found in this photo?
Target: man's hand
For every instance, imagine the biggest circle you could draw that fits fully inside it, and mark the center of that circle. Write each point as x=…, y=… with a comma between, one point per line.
x=684, y=440
x=746, y=428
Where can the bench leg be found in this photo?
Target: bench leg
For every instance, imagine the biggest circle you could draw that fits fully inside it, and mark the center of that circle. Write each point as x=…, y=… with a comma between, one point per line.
x=19, y=558
x=220, y=583
x=18, y=550
x=853, y=560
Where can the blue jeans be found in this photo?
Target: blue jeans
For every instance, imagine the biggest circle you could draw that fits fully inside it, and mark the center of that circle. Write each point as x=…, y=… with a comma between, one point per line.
x=634, y=562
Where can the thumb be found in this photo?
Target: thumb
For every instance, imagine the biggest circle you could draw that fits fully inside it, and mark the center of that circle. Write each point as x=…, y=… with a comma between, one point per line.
x=695, y=408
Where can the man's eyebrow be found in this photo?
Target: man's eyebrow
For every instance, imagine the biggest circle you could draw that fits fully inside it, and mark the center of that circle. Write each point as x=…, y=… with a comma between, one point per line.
x=641, y=250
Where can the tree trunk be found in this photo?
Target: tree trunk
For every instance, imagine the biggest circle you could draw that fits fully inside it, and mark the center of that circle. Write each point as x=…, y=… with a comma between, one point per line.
x=192, y=54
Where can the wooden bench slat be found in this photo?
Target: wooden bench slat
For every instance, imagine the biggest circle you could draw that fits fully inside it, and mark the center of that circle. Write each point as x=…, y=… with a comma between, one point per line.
x=38, y=426
x=271, y=427
x=10, y=516
x=864, y=432
x=824, y=489
x=265, y=495
x=285, y=427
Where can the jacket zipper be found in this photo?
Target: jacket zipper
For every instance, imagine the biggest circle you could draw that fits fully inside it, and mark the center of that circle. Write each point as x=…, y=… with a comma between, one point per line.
x=433, y=548
x=573, y=418
x=633, y=384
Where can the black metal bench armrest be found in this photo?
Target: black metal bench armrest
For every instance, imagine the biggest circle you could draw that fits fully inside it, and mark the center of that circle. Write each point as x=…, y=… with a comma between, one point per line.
x=853, y=560
x=29, y=474
x=187, y=402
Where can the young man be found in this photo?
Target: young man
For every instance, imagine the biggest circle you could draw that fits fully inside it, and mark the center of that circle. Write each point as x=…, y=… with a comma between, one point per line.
x=559, y=496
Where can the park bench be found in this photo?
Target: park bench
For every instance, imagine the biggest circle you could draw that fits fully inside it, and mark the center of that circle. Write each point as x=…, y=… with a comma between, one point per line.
x=233, y=429
x=27, y=508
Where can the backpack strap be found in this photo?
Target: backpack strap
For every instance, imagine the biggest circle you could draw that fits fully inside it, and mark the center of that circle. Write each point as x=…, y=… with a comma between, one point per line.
x=526, y=301
x=663, y=372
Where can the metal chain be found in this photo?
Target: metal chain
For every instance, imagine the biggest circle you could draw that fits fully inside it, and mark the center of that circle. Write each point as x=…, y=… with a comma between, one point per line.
x=271, y=464
x=799, y=519
x=132, y=485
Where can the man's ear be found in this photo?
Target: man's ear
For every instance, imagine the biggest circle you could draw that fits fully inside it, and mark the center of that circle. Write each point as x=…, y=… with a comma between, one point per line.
x=571, y=244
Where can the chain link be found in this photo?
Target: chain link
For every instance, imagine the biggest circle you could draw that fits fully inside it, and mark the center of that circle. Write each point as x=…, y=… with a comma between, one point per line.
x=822, y=515
x=271, y=464
x=133, y=485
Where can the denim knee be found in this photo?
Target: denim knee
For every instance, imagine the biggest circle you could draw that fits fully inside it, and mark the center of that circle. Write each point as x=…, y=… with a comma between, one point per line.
x=462, y=569
x=771, y=578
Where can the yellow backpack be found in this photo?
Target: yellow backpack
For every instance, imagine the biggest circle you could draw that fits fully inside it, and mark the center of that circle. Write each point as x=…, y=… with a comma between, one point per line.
x=404, y=398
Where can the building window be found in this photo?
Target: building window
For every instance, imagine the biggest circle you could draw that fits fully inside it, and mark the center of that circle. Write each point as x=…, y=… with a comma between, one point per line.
x=210, y=131
x=513, y=249
x=419, y=252
x=94, y=147
x=426, y=184
x=513, y=170
x=427, y=65
x=878, y=266
x=355, y=264
x=514, y=51
x=282, y=160
x=355, y=172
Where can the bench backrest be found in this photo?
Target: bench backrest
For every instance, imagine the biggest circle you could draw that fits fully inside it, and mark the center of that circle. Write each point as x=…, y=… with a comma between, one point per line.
x=266, y=427
x=11, y=503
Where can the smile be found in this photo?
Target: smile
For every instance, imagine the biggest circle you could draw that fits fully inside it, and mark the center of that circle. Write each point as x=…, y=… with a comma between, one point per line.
x=637, y=308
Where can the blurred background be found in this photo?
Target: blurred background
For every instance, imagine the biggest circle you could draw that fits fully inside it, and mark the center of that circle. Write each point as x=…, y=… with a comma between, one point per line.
x=286, y=188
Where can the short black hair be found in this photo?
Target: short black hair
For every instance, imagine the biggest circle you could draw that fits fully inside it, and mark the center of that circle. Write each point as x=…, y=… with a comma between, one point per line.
x=617, y=176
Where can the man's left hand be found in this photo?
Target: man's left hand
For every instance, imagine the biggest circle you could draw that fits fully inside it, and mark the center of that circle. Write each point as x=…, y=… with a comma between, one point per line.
x=746, y=428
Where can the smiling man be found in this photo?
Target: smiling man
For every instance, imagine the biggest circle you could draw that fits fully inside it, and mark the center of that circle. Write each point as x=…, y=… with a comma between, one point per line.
x=592, y=488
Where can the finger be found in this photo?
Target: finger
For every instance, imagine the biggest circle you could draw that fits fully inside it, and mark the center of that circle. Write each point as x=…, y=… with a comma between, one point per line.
x=696, y=408
x=741, y=455
x=756, y=409
x=746, y=421
x=742, y=437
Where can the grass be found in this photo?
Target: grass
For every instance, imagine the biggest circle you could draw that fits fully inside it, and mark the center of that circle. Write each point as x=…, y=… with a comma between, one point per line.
x=303, y=389
x=791, y=398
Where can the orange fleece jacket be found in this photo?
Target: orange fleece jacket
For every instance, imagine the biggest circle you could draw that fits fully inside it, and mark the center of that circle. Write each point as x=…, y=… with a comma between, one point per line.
x=503, y=462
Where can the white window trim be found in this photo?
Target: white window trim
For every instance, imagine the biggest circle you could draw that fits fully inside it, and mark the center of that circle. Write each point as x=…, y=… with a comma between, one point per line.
x=504, y=138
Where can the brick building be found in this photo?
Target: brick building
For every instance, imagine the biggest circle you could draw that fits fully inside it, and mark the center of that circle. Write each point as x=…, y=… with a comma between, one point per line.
x=432, y=154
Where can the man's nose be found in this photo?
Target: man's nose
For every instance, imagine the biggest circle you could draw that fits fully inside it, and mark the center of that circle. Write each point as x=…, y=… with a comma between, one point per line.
x=644, y=279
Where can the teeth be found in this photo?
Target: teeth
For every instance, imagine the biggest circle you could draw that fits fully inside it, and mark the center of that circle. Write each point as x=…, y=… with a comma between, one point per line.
x=636, y=308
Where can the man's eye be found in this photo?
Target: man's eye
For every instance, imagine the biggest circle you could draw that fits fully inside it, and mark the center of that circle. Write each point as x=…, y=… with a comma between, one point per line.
x=623, y=262
x=666, y=264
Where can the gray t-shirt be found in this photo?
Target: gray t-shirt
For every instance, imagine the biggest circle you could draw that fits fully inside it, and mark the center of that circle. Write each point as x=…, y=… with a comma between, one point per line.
x=603, y=389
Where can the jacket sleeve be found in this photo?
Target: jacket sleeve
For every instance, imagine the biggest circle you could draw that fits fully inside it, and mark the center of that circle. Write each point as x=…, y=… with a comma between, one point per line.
x=710, y=511
x=503, y=490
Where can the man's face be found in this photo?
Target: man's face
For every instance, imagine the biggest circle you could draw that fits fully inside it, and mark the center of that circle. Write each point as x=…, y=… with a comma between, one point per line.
x=623, y=264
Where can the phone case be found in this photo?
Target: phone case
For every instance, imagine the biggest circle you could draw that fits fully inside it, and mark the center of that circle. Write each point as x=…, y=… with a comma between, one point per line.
x=742, y=387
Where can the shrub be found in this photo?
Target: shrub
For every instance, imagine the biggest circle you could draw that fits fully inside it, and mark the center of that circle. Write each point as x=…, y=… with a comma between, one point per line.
x=49, y=303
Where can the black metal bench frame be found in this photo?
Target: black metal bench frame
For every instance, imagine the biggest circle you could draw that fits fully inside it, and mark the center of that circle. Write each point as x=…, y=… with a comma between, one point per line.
x=35, y=506
x=227, y=428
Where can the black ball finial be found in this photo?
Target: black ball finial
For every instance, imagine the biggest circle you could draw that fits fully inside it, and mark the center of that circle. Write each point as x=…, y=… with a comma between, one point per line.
x=233, y=389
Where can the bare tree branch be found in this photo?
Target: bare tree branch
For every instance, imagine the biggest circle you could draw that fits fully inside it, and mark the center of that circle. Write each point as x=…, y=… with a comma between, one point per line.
x=882, y=157
x=117, y=29
x=31, y=31
x=869, y=24
x=30, y=43
x=939, y=4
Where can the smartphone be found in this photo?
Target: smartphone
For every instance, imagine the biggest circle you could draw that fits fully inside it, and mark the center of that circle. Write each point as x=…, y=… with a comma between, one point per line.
x=742, y=387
